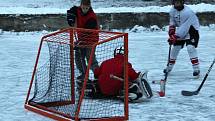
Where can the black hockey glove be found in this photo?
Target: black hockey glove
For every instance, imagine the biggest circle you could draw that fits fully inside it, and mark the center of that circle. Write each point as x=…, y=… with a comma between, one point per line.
x=71, y=15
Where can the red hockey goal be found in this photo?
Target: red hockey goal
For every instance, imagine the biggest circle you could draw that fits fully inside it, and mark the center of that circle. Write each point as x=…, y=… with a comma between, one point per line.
x=53, y=88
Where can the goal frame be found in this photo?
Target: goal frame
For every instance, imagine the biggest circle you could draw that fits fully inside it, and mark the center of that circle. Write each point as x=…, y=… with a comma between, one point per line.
x=64, y=117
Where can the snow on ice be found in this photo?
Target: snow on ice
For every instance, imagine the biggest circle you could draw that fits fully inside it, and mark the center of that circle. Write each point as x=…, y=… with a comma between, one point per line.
x=147, y=51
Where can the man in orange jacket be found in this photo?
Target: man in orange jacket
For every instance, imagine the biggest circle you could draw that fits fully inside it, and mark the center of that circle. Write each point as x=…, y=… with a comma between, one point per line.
x=84, y=17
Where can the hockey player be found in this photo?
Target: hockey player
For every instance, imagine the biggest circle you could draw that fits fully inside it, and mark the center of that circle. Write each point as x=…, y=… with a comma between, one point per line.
x=84, y=17
x=183, y=29
x=109, y=86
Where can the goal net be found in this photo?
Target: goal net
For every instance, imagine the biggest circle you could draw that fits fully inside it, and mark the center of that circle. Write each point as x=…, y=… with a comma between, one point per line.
x=55, y=91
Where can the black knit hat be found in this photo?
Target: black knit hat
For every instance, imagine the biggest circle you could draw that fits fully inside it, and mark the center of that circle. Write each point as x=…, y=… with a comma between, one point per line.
x=173, y=1
x=85, y=2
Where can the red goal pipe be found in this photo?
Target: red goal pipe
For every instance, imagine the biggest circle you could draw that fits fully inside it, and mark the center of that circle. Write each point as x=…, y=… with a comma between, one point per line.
x=126, y=74
x=72, y=65
x=34, y=71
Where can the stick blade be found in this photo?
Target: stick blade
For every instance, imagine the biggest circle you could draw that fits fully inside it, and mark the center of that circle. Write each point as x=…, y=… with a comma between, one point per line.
x=189, y=93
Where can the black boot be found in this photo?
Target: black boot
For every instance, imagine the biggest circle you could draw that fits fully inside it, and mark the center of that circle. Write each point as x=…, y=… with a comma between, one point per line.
x=81, y=77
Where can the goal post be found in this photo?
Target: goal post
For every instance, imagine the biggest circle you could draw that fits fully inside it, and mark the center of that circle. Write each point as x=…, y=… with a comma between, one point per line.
x=54, y=90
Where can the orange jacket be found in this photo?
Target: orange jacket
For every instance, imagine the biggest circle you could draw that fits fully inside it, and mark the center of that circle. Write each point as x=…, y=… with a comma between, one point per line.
x=87, y=21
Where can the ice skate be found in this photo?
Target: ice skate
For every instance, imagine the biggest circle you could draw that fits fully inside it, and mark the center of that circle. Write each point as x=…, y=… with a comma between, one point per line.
x=196, y=74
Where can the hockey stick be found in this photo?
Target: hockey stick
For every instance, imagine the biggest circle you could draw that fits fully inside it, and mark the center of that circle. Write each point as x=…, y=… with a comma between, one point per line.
x=82, y=56
x=163, y=81
x=143, y=82
x=82, y=61
x=196, y=92
x=116, y=77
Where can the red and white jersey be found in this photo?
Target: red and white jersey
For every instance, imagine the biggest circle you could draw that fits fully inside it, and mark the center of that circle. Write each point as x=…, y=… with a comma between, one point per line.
x=183, y=20
x=113, y=66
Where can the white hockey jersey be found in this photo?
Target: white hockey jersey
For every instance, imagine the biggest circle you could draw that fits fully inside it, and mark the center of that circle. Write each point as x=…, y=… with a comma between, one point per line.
x=183, y=20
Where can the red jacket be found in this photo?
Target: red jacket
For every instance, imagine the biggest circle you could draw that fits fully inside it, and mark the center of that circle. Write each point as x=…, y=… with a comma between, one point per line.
x=87, y=21
x=115, y=66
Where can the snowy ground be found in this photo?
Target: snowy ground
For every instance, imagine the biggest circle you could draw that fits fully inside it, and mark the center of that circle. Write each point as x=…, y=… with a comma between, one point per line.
x=147, y=51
